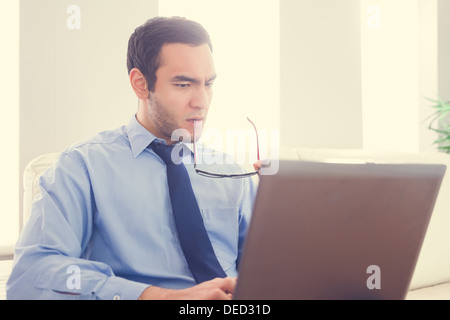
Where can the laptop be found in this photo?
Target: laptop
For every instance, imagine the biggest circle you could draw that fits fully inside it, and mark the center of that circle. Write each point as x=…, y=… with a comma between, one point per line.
x=337, y=231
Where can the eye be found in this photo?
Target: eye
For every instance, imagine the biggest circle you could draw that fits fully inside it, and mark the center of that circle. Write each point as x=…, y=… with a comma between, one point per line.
x=182, y=85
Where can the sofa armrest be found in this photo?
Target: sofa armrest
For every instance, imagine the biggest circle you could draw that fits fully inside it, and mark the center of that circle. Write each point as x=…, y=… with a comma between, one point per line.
x=33, y=171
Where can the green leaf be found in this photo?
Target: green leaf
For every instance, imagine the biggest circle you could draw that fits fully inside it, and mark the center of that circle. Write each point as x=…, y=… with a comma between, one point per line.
x=446, y=149
x=439, y=123
x=446, y=139
x=439, y=131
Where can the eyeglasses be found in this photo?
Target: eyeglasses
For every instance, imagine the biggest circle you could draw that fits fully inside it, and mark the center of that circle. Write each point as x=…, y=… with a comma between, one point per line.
x=224, y=175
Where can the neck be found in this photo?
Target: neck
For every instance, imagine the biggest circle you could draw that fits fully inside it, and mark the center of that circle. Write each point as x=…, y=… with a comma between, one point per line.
x=143, y=117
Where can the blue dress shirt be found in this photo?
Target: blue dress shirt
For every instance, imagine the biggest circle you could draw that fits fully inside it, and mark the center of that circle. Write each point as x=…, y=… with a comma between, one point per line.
x=103, y=228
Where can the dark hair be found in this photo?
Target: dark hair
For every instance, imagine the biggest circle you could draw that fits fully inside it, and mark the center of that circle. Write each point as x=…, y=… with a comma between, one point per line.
x=144, y=45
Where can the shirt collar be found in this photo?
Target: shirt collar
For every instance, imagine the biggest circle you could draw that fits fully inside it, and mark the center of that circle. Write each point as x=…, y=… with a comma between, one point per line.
x=140, y=138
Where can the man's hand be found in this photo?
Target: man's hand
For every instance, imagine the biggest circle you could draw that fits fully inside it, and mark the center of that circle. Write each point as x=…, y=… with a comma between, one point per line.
x=216, y=289
x=261, y=164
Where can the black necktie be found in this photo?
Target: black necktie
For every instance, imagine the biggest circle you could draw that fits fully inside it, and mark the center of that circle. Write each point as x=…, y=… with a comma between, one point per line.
x=193, y=237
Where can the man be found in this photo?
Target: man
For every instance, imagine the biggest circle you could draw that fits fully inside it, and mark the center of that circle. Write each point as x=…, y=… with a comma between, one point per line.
x=103, y=226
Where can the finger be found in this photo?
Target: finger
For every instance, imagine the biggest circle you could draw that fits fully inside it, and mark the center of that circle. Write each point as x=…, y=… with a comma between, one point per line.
x=228, y=284
x=257, y=165
x=262, y=164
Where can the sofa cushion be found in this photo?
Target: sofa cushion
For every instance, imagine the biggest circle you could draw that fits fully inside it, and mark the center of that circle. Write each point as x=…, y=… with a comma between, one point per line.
x=437, y=292
x=33, y=171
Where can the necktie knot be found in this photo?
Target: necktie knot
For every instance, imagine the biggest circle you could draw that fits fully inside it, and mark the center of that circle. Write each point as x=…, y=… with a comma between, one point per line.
x=163, y=151
x=170, y=154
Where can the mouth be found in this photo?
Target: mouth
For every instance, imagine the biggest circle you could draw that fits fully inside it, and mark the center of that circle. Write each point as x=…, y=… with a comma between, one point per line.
x=195, y=121
x=197, y=127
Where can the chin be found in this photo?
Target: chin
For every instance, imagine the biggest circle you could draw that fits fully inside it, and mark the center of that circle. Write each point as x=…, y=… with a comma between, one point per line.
x=183, y=134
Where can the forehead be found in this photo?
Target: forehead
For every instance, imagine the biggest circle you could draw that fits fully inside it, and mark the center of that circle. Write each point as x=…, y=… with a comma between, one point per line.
x=184, y=59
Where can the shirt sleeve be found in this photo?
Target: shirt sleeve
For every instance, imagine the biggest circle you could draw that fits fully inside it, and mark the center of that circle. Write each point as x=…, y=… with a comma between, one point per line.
x=48, y=260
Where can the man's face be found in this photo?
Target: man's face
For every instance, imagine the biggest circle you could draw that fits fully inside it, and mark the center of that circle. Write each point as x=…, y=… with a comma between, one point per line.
x=183, y=89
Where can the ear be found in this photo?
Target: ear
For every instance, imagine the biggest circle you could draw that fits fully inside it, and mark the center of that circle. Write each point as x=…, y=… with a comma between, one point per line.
x=139, y=84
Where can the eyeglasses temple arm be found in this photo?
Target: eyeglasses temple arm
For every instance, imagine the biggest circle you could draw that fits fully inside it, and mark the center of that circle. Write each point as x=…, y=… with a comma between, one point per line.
x=257, y=139
x=196, y=123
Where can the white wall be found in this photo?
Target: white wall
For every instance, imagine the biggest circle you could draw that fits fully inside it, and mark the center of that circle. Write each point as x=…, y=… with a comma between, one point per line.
x=444, y=49
x=73, y=76
x=320, y=63
x=390, y=74
x=428, y=69
x=355, y=74
x=399, y=70
x=9, y=122
x=74, y=81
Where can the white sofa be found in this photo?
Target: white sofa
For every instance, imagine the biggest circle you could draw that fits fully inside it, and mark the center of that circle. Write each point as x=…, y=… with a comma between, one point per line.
x=431, y=279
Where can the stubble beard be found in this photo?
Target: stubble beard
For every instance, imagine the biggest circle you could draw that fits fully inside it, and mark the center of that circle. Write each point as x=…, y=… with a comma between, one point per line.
x=161, y=117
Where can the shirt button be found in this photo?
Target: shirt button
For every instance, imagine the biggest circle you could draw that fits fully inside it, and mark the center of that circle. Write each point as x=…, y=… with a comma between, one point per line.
x=116, y=297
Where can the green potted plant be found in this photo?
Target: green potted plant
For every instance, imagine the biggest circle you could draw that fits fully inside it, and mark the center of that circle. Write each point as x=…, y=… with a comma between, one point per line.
x=439, y=124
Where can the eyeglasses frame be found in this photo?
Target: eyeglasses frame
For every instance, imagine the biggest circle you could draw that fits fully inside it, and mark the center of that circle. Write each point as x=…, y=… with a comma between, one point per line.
x=223, y=175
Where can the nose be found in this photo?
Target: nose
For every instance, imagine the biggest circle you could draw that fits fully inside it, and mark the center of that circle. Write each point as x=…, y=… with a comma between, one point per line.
x=201, y=97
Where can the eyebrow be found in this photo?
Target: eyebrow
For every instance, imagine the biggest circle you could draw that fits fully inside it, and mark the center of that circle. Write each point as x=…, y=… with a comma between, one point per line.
x=183, y=78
